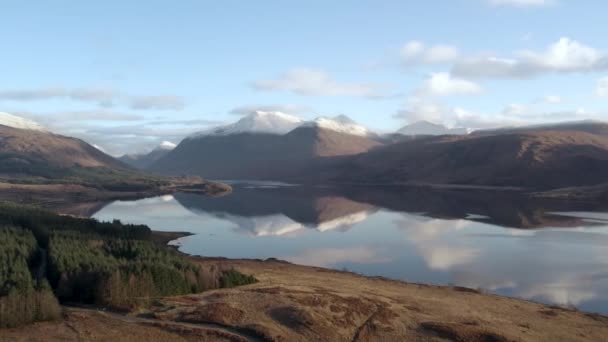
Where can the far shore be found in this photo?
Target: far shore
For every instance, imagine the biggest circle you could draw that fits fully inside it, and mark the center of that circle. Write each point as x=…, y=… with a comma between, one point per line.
x=46, y=195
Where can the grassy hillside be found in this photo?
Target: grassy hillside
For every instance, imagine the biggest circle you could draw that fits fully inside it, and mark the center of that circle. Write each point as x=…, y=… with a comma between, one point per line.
x=533, y=159
x=36, y=157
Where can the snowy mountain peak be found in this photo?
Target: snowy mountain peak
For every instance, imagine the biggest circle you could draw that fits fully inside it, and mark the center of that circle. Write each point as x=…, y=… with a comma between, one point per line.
x=166, y=145
x=344, y=119
x=257, y=122
x=341, y=124
x=14, y=121
x=429, y=128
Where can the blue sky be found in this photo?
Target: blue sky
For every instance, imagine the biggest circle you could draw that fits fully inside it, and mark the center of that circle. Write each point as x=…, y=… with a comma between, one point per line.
x=126, y=75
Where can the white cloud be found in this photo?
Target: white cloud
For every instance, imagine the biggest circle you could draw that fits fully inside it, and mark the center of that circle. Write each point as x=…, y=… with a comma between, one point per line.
x=492, y=67
x=157, y=102
x=119, y=132
x=602, y=87
x=332, y=257
x=515, y=114
x=521, y=3
x=287, y=108
x=32, y=94
x=415, y=52
x=309, y=82
x=418, y=110
x=564, y=56
x=104, y=97
x=84, y=115
x=515, y=110
x=101, y=96
x=443, y=84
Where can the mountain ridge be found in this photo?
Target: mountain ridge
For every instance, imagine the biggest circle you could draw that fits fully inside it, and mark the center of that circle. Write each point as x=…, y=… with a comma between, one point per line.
x=13, y=121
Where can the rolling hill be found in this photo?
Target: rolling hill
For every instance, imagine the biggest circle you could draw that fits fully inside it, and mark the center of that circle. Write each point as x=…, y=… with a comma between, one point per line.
x=535, y=158
x=36, y=153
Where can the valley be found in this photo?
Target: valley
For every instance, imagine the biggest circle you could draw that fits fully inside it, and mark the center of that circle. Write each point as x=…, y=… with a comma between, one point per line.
x=340, y=198
x=356, y=171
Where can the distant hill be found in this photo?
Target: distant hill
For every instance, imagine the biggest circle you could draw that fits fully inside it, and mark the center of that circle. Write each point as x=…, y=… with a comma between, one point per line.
x=422, y=128
x=255, y=154
x=38, y=153
x=144, y=160
x=337, y=150
x=530, y=158
x=588, y=126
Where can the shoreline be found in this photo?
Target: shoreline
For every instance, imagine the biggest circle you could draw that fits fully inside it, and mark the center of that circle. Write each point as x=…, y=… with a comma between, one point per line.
x=45, y=195
x=167, y=237
x=293, y=302
x=395, y=309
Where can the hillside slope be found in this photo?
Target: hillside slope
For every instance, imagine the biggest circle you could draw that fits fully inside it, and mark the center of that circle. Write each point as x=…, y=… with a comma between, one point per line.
x=144, y=160
x=33, y=153
x=530, y=159
x=259, y=156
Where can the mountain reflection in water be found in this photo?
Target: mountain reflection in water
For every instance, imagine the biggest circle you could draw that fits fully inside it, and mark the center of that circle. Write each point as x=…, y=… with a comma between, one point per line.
x=502, y=242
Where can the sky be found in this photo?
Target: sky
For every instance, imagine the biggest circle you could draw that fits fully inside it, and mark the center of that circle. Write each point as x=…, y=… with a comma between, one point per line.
x=126, y=75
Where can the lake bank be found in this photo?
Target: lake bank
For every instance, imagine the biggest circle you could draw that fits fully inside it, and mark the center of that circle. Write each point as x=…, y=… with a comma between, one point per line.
x=302, y=303
x=542, y=250
x=57, y=196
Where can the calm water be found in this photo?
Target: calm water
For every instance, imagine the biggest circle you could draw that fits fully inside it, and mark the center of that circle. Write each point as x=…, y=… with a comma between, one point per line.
x=548, y=251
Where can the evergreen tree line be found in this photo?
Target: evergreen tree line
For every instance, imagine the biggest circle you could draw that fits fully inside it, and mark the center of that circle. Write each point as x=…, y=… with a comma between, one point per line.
x=23, y=297
x=117, y=272
x=45, y=257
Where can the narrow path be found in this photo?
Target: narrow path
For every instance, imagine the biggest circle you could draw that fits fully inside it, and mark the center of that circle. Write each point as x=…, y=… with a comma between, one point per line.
x=200, y=326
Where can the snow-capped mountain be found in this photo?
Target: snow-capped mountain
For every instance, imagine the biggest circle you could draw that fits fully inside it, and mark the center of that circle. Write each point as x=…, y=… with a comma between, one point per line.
x=257, y=122
x=166, y=146
x=142, y=161
x=292, y=144
x=14, y=121
x=429, y=128
x=280, y=123
x=340, y=124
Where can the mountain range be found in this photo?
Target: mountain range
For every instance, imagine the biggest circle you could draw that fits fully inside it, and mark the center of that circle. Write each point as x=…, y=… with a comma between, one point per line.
x=337, y=150
x=541, y=158
x=277, y=146
x=265, y=145
x=272, y=136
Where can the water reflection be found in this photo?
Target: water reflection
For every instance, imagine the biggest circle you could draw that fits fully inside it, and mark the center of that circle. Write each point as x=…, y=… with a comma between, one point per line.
x=476, y=239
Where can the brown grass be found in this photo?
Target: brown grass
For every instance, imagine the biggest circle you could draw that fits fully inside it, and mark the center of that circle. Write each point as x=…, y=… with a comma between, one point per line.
x=298, y=303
